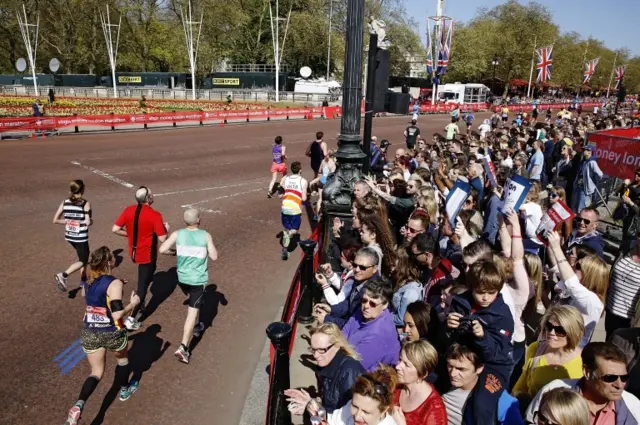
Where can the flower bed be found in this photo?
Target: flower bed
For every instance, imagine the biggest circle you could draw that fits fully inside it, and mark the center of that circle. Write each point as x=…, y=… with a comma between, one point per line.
x=16, y=106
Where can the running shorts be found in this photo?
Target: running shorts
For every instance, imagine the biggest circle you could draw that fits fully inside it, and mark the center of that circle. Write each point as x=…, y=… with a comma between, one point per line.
x=92, y=341
x=82, y=249
x=505, y=119
x=291, y=222
x=279, y=168
x=195, y=293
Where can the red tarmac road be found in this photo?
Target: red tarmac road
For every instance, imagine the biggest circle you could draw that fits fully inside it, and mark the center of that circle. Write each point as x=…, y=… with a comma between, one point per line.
x=223, y=171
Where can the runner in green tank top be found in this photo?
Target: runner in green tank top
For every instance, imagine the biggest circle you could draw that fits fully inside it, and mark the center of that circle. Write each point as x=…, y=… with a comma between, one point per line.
x=194, y=247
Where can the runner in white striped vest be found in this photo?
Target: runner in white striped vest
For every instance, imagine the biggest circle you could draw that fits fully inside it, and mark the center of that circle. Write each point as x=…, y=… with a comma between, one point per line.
x=75, y=214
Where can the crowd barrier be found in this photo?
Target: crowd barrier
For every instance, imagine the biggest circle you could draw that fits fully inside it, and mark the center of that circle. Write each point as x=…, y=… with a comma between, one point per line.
x=544, y=106
x=37, y=124
x=297, y=308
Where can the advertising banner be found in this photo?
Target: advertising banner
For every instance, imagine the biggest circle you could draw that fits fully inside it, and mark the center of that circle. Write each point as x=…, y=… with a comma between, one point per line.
x=618, y=151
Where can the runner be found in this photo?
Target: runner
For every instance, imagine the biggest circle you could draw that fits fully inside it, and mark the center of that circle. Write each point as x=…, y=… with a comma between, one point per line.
x=411, y=134
x=317, y=150
x=278, y=164
x=144, y=229
x=103, y=329
x=75, y=214
x=293, y=191
x=194, y=247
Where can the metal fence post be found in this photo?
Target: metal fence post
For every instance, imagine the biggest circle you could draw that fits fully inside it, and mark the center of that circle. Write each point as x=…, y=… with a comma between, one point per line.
x=113, y=127
x=280, y=335
x=307, y=284
x=75, y=117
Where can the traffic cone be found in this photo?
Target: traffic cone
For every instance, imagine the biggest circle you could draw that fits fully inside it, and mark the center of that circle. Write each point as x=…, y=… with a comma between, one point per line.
x=221, y=123
x=44, y=134
x=33, y=135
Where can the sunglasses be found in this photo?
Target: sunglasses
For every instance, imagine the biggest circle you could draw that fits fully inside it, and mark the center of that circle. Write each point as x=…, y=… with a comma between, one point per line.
x=378, y=388
x=579, y=220
x=469, y=201
x=540, y=419
x=320, y=350
x=559, y=330
x=473, y=146
x=361, y=267
x=414, y=231
x=553, y=195
x=371, y=303
x=610, y=379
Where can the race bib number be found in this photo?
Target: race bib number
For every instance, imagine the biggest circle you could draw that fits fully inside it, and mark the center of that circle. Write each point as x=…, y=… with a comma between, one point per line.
x=97, y=315
x=72, y=226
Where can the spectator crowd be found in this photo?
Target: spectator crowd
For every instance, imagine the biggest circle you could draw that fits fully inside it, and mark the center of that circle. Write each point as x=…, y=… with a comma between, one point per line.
x=479, y=318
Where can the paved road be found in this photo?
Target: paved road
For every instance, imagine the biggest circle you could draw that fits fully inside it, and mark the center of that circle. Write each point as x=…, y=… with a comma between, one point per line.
x=223, y=171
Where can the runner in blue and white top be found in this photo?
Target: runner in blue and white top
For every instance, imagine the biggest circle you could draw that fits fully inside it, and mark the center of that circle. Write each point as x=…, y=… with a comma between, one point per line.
x=75, y=214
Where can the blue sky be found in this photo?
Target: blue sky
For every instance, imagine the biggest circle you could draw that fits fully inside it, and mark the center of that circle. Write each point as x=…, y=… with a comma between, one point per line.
x=616, y=27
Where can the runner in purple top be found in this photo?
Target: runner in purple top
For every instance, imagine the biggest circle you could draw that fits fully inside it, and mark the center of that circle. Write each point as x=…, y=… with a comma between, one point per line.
x=278, y=165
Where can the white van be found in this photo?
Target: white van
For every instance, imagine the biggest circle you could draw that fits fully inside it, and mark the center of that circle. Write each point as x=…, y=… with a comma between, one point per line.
x=462, y=93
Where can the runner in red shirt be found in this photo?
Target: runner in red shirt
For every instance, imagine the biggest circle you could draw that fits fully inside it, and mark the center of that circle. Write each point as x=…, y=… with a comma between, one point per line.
x=143, y=228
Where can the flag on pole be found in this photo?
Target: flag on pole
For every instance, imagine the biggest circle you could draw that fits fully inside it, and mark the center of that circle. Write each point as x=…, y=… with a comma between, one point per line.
x=445, y=49
x=620, y=75
x=544, y=63
x=590, y=69
x=429, y=52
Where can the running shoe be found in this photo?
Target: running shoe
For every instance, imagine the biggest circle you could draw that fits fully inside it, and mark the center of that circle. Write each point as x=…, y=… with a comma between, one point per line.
x=197, y=331
x=126, y=393
x=61, y=282
x=285, y=254
x=269, y=195
x=182, y=354
x=286, y=238
x=74, y=415
x=131, y=324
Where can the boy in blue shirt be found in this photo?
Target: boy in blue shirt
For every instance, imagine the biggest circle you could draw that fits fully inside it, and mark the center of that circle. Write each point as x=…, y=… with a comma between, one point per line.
x=481, y=318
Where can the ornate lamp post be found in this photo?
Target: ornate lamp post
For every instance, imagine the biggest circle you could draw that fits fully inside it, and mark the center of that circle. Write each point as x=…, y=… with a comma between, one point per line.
x=337, y=192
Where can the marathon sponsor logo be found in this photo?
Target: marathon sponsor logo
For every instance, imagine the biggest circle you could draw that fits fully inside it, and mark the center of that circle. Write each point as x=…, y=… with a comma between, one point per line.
x=225, y=81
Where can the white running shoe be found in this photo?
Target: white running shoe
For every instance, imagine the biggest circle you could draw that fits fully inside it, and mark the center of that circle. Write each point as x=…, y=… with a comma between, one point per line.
x=61, y=282
x=131, y=324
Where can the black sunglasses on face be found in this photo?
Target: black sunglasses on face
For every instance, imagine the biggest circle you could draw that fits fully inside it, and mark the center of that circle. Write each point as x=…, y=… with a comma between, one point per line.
x=559, y=330
x=579, y=220
x=361, y=267
x=610, y=379
x=371, y=303
x=540, y=419
x=553, y=195
x=320, y=350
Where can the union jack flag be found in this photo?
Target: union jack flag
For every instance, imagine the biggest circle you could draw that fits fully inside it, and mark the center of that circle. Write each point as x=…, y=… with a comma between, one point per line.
x=620, y=75
x=544, y=63
x=444, y=55
x=429, y=52
x=590, y=69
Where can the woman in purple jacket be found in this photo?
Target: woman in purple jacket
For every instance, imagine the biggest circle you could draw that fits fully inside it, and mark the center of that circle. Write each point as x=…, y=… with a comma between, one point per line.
x=371, y=330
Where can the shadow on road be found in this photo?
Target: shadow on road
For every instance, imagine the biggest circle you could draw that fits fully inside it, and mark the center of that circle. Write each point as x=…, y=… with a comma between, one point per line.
x=147, y=348
x=209, y=310
x=164, y=283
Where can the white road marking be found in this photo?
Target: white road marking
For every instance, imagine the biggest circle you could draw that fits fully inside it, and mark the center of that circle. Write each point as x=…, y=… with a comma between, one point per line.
x=105, y=175
x=204, y=201
x=204, y=189
x=155, y=170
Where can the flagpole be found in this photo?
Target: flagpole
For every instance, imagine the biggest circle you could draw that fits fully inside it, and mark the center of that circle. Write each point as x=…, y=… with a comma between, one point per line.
x=533, y=60
x=612, y=72
x=437, y=37
x=584, y=62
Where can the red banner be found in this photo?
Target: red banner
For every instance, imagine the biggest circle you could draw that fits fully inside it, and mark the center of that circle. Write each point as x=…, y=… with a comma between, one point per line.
x=618, y=151
x=442, y=108
x=50, y=123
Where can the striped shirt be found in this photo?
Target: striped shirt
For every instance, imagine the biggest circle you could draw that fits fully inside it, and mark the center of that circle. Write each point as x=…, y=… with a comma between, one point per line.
x=624, y=288
x=76, y=228
x=292, y=199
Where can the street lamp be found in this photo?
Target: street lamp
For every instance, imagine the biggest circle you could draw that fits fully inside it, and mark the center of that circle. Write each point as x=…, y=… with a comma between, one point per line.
x=495, y=62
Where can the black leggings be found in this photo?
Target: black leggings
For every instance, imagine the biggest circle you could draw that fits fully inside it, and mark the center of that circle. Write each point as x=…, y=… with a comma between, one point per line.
x=145, y=277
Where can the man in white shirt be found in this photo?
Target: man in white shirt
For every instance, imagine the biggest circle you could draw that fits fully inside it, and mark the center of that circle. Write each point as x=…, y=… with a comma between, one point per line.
x=465, y=366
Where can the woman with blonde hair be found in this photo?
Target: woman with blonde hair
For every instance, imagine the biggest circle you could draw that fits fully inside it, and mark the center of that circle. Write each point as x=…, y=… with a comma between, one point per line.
x=557, y=353
x=562, y=406
x=566, y=227
x=339, y=366
x=371, y=403
x=416, y=401
x=104, y=329
x=583, y=286
x=75, y=214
